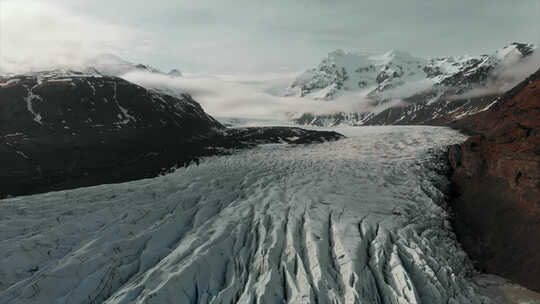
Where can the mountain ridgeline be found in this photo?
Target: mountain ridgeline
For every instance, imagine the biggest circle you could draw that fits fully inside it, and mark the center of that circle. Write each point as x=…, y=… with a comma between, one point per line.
x=435, y=91
x=112, y=65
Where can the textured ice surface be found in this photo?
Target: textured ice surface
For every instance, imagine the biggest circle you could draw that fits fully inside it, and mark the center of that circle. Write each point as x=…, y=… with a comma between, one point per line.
x=354, y=221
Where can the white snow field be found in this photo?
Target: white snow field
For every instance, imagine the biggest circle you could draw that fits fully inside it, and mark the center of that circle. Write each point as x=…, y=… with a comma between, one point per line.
x=360, y=220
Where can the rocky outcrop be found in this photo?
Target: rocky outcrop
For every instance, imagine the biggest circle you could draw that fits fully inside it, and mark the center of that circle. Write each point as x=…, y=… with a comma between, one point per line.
x=497, y=177
x=64, y=129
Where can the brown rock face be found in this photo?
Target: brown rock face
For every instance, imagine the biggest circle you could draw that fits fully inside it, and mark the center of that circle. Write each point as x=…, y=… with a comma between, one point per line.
x=497, y=178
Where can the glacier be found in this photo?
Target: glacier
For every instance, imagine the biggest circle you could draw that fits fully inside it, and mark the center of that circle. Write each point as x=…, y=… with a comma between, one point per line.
x=360, y=220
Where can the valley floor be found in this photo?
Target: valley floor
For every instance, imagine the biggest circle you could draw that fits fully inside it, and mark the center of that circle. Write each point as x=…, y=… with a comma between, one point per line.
x=360, y=220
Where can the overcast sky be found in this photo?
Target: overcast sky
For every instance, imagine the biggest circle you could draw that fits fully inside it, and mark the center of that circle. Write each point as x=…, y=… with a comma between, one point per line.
x=256, y=36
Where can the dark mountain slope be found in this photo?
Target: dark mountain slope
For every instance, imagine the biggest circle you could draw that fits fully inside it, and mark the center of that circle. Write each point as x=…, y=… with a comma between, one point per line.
x=62, y=129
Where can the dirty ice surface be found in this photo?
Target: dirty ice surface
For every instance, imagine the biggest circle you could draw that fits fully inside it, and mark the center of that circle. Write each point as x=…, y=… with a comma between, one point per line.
x=360, y=220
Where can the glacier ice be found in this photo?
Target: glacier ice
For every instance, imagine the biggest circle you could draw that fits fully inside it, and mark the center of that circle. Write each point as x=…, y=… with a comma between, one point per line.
x=360, y=220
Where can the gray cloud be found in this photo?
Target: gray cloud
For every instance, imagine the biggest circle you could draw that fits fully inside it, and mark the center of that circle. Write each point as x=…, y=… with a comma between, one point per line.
x=271, y=35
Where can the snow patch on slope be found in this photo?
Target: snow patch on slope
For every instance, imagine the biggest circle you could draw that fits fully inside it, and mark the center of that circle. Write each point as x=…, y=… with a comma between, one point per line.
x=29, y=99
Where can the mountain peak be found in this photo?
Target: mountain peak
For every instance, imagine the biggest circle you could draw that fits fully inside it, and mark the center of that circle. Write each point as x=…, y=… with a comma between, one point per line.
x=110, y=64
x=175, y=73
x=338, y=52
x=514, y=51
x=398, y=53
x=524, y=48
x=393, y=55
x=108, y=57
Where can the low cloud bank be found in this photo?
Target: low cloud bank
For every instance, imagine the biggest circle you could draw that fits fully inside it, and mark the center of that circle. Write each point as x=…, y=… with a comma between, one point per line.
x=248, y=95
x=259, y=96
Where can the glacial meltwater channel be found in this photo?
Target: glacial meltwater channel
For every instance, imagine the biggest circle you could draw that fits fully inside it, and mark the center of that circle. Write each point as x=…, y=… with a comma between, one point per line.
x=360, y=220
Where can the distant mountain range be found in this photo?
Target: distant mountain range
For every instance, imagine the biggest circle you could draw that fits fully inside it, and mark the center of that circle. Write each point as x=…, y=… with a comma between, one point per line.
x=432, y=91
x=394, y=88
x=112, y=65
x=103, y=64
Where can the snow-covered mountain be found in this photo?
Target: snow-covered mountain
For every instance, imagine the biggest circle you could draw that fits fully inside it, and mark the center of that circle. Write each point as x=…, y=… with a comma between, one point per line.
x=342, y=71
x=112, y=65
x=423, y=85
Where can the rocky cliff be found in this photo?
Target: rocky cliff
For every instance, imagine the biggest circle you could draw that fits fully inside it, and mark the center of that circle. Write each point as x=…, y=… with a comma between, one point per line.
x=497, y=177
